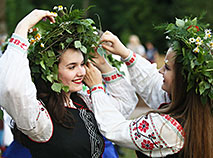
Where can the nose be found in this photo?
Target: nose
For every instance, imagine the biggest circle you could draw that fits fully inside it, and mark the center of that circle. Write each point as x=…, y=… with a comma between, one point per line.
x=162, y=69
x=81, y=71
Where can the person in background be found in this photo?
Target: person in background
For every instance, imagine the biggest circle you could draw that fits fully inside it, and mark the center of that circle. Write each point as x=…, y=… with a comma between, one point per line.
x=2, y=42
x=151, y=52
x=136, y=46
x=181, y=127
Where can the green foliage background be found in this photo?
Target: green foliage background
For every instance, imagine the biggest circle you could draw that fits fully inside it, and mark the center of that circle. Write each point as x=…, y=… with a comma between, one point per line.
x=122, y=17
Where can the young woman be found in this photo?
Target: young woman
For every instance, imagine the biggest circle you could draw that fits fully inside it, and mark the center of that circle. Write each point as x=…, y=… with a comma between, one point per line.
x=49, y=123
x=181, y=128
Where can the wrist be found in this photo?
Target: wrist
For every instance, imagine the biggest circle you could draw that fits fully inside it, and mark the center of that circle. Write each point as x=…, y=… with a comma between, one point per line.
x=125, y=53
x=21, y=30
x=105, y=68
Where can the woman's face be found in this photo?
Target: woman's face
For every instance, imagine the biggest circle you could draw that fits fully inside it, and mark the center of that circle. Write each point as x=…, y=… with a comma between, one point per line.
x=168, y=71
x=71, y=69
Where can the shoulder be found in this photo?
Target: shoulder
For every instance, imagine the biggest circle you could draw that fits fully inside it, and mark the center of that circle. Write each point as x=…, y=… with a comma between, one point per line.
x=157, y=135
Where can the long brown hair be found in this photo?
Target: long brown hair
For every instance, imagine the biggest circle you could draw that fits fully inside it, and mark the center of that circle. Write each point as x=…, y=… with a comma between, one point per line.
x=54, y=102
x=196, y=117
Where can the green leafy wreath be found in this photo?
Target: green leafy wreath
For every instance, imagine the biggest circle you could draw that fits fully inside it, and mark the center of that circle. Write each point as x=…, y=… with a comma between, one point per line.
x=46, y=38
x=193, y=42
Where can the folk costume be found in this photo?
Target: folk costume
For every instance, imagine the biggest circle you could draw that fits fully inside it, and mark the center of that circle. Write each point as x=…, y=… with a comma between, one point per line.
x=23, y=63
x=154, y=135
x=43, y=136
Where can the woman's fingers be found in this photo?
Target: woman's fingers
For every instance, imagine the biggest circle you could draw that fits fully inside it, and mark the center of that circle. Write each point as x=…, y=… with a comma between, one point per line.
x=31, y=19
x=93, y=75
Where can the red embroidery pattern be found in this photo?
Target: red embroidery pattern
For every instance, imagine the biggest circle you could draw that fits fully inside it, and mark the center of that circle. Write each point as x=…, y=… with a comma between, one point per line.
x=111, y=78
x=143, y=126
x=159, y=135
x=175, y=124
x=97, y=88
x=17, y=42
x=131, y=60
x=146, y=144
x=143, y=136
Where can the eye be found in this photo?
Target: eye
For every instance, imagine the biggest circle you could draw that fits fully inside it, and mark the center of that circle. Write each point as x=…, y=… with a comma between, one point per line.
x=167, y=67
x=82, y=64
x=71, y=67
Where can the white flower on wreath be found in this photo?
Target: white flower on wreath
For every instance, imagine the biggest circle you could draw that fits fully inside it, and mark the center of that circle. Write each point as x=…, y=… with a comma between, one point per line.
x=192, y=40
x=207, y=31
x=196, y=50
x=210, y=45
x=60, y=7
x=42, y=45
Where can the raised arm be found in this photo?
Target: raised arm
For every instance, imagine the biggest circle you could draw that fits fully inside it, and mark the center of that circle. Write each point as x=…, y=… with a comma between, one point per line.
x=17, y=91
x=155, y=135
x=144, y=76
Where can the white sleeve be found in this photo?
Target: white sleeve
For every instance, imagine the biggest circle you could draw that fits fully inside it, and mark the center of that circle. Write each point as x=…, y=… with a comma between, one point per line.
x=121, y=92
x=147, y=80
x=154, y=135
x=18, y=93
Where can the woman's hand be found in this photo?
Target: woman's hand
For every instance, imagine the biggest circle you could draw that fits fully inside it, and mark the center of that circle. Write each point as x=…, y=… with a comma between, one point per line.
x=112, y=44
x=93, y=75
x=101, y=63
x=31, y=19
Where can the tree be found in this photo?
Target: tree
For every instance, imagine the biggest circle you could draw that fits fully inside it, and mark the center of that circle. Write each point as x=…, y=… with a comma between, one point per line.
x=3, y=29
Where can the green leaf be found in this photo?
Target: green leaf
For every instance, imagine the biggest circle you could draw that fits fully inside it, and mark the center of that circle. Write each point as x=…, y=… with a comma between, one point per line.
x=50, y=78
x=80, y=29
x=83, y=49
x=69, y=40
x=62, y=46
x=42, y=64
x=69, y=31
x=65, y=88
x=77, y=44
x=101, y=51
x=179, y=22
x=56, y=87
x=50, y=53
x=1, y=114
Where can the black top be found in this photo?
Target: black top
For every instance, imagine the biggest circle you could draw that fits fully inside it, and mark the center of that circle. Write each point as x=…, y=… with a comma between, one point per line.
x=83, y=141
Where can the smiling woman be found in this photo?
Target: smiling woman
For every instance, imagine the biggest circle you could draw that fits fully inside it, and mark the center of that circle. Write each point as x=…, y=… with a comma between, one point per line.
x=52, y=115
x=71, y=69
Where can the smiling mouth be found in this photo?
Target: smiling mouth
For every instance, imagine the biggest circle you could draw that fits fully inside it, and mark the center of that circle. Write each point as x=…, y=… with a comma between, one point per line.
x=77, y=81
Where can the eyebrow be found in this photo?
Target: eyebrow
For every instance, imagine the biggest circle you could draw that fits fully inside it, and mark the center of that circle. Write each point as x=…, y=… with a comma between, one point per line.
x=74, y=63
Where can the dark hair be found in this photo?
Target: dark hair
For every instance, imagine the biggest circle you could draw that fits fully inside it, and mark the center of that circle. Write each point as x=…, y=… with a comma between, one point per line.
x=195, y=117
x=54, y=103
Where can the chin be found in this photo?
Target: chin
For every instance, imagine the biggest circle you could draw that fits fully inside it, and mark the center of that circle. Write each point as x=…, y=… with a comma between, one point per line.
x=76, y=88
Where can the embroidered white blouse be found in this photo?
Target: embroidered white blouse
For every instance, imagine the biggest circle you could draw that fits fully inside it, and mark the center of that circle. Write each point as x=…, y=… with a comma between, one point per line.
x=18, y=93
x=155, y=135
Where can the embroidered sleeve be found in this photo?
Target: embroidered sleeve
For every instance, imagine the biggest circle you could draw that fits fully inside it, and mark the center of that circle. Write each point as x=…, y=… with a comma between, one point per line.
x=131, y=59
x=112, y=76
x=123, y=93
x=147, y=80
x=96, y=88
x=18, y=92
x=157, y=135
x=19, y=43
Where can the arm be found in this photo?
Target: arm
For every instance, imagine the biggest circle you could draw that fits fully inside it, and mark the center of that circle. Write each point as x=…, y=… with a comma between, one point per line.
x=147, y=80
x=144, y=76
x=18, y=93
x=155, y=135
x=124, y=96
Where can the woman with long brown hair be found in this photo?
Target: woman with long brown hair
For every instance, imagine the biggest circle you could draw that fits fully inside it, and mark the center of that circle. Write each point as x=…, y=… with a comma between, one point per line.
x=41, y=85
x=181, y=127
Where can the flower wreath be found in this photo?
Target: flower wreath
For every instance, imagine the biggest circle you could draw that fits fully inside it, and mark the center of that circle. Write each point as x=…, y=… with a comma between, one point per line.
x=47, y=38
x=195, y=53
